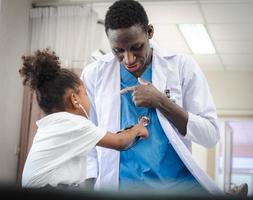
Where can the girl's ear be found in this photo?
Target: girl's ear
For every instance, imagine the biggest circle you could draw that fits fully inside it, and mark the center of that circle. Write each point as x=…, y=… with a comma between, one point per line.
x=74, y=100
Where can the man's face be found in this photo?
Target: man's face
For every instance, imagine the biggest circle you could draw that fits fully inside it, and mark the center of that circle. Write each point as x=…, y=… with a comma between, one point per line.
x=131, y=47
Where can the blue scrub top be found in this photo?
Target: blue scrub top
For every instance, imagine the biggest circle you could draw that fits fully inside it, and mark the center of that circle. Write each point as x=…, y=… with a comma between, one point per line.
x=151, y=163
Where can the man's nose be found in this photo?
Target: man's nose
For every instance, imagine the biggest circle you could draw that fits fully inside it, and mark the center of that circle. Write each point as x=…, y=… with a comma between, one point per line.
x=129, y=58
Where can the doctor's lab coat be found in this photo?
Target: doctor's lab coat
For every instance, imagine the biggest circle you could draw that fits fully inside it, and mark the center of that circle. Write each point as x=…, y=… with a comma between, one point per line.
x=188, y=86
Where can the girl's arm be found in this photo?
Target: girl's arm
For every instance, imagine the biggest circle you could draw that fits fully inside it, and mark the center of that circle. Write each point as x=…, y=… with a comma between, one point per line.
x=122, y=139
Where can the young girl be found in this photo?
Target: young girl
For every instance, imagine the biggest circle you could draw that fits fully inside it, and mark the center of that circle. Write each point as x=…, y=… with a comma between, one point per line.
x=64, y=135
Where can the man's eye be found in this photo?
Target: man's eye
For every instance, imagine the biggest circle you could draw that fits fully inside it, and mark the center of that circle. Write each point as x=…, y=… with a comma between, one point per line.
x=137, y=47
x=116, y=50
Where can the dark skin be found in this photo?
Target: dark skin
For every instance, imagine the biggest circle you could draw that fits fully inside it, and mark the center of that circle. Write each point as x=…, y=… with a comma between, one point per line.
x=131, y=47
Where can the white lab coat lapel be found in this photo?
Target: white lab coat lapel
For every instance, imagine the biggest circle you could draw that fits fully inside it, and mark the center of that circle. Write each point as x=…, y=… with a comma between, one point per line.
x=108, y=96
x=109, y=111
x=165, y=75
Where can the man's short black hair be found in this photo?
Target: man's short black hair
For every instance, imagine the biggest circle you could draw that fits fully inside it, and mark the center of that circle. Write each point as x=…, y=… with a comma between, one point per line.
x=124, y=14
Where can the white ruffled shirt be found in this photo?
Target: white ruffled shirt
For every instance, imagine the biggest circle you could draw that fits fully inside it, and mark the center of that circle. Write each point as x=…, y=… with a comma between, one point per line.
x=59, y=150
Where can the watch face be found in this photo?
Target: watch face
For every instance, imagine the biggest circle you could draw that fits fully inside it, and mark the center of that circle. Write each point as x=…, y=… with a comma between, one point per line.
x=144, y=120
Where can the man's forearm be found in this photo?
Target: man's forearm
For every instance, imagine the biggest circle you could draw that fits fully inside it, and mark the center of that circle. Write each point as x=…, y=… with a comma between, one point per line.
x=174, y=113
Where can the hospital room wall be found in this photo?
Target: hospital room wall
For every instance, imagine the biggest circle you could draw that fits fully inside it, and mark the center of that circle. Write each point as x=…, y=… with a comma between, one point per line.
x=233, y=97
x=14, y=34
x=232, y=91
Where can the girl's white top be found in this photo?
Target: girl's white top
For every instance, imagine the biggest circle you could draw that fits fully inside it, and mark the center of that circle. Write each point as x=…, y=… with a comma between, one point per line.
x=59, y=150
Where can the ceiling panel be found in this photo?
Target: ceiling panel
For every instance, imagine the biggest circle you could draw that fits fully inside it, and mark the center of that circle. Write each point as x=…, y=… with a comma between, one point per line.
x=234, y=47
x=174, y=46
x=239, y=68
x=228, y=12
x=167, y=32
x=209, y=62
x=237, y=60
x=207, y=67
x=169, y=37
x=171, y=13
x=237, y=32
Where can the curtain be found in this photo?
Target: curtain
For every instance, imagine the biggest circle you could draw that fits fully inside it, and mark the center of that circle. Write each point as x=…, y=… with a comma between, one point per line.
x=3, y=5
x=71, y=32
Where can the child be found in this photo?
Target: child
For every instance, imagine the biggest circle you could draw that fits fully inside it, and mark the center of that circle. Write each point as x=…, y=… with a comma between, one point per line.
x=64, y=135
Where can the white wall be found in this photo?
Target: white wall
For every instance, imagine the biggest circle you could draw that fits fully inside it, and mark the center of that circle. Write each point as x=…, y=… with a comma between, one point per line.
x=233, y=96
x=232, y=91
x=14, y=34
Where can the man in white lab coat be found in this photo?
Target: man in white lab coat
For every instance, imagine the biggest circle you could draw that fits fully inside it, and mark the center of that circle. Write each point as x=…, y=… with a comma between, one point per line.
x=140, y=79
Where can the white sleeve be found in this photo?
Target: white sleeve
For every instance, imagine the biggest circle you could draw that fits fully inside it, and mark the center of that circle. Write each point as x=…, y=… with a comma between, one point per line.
x=85, y=137
x=92, y=161
x=202, y=126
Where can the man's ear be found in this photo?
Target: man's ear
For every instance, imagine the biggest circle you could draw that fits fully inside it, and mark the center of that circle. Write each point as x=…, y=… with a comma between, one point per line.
x=150, y=31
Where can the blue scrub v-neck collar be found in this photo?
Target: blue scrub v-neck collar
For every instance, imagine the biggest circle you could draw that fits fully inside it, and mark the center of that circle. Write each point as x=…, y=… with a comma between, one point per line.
x=129, y=79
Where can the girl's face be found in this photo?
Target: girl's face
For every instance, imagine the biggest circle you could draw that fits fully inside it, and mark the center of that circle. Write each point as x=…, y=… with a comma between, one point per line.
x=77, y=101
x=83, y=100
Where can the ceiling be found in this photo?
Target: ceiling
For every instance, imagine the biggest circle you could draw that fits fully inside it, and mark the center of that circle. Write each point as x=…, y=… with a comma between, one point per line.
x=229, y=23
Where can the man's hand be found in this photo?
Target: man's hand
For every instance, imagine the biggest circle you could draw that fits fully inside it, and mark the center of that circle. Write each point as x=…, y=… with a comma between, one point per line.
x=144, y=95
